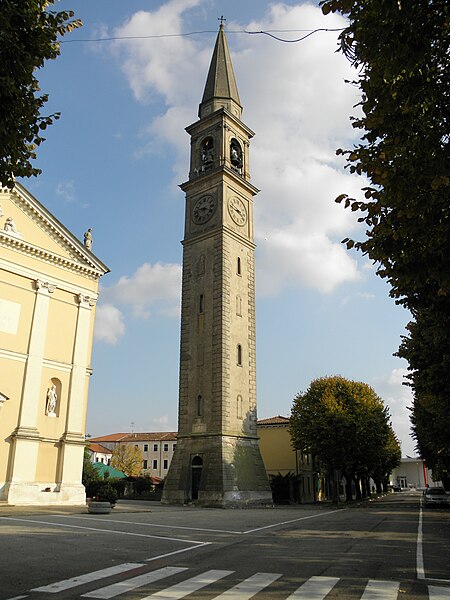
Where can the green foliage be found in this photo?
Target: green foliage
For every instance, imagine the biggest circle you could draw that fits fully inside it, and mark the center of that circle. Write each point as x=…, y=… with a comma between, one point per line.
x=127, y=459
x=90, y=473
x=401, y=52
x=102, y=491
x=343, y=423
x=28, y=34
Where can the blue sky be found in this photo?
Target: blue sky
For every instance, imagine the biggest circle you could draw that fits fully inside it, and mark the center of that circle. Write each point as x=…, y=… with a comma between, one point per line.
x=114, y=160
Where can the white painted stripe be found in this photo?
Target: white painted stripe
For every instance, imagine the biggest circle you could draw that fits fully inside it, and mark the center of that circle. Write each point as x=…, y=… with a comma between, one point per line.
x=66, y=584
x=438, y=593
x=17, y=598
x=316, y=588
x=381, y=590
x=319, y=514
x=250, y=587
x=180, y=590
x=178, y=551
x=111, y=591
x=420, y=570
x=145, y=535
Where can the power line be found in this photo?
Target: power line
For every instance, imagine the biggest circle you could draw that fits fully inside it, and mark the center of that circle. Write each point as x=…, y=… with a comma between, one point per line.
x=269, y=33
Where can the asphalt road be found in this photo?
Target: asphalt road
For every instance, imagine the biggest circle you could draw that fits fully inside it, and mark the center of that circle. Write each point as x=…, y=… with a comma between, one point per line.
x=388, y=549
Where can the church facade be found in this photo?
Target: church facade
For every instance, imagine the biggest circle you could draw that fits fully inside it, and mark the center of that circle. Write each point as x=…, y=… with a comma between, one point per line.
x=48, y=291
x=217, y=461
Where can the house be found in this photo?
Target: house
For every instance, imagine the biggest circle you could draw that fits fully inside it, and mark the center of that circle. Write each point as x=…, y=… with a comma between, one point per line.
x=280, y=457
x=157, y=449
x=412, y=473
x=100, y=454
x=48, y=292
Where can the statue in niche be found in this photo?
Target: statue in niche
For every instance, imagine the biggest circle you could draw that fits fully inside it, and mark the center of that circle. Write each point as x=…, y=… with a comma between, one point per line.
x=88, y=239
x=235, y=154
x=207, y=151
x=52, y=400
x=10, y=225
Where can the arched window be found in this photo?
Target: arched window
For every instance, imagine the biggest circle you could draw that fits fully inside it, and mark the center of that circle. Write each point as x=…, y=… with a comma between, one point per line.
x=239, y=355
x=199, y=406
x=238, y=268
x=235, y=154
x=201, y=303
x=207, y=151
x=239, y=407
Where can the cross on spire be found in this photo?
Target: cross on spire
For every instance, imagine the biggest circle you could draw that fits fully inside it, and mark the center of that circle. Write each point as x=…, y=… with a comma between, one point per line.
x=222, y=21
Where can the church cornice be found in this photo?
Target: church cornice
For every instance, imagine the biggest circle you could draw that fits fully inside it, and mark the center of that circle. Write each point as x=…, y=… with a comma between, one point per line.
x=213, y=118
x=218, y=232
x=218, y=173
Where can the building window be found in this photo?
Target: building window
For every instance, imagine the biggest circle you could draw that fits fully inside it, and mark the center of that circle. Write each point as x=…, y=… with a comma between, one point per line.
x=155, y=463
x=199, y=406
x=145, y=447
x=166, y=447
x=145, y=464
x=238, y=268
x=155, y=447
x=166, y=464
x=174, y=446
x=239, y=355
x=239, y=306
x=201, y=304
x=109, y=462
x=239, y=407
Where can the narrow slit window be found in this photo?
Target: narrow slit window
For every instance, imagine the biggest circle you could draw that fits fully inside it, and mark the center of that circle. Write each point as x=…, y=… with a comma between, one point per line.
x=239, y=272
x=239, y=407
x=239, y=354
x=201, y=304
x=199, y=406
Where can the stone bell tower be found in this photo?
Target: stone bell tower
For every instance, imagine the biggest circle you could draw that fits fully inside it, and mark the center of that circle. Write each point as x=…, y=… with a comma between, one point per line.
x=217, y=461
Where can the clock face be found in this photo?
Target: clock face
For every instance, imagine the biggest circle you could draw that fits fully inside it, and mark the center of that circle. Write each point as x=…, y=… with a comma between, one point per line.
x=203, y=209
x=237, y=211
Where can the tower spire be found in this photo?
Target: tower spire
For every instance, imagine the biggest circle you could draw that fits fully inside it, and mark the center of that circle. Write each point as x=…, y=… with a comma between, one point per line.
x=220, y=89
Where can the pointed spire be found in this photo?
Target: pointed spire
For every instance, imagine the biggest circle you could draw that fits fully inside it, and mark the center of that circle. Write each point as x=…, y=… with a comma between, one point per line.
x=220, y=89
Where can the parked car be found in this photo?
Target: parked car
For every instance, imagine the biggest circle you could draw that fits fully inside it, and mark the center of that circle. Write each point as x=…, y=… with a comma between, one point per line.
x=435, y=496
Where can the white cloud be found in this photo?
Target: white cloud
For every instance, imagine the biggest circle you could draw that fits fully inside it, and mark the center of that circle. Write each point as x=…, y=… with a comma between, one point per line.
x=297, y=102
x=109, y=325
x=151, y=287
x=66, y=191
x=398, y=397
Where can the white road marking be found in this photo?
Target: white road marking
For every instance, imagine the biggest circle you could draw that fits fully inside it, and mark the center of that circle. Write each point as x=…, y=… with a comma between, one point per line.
x=17, y=598
x=111, y=591
x=250, y=587
x=320, y=514
x=66, y=584
x=180, y=590
x=316, y=588
x=419, y=552
x=381, y=590
x=438, y=593
x=146, y=535
x=199, y=545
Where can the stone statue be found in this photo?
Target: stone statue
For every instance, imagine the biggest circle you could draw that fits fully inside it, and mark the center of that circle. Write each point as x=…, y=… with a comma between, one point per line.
x=52, y=400
x=10, y=226
x=88, y=239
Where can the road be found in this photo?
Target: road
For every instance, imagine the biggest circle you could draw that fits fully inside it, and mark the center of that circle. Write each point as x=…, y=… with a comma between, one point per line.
x=388, y=549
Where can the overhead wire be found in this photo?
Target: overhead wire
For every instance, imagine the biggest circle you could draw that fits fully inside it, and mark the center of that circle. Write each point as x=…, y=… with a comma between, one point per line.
x=269, y=33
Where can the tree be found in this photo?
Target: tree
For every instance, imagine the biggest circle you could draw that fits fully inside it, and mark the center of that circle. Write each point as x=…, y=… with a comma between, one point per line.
x=28, y=34
x=401, y=53
x=344, y=424
x=127, y=459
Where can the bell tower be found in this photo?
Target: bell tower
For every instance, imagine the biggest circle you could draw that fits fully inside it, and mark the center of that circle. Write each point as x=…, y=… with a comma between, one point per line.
x=217, y=461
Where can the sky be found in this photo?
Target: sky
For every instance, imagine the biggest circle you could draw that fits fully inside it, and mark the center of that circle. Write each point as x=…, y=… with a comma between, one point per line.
x=115, y=159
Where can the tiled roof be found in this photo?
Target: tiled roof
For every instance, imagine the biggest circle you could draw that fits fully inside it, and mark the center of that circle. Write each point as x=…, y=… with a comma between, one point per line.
x=278, y=420
x=99, y=448
x=138, y=437
x=112, y=437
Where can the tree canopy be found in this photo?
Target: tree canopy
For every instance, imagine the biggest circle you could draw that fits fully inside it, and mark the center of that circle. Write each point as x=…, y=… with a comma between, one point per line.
x=127, y=459
x=29, y=35
x=346, y=426
x=402, y=59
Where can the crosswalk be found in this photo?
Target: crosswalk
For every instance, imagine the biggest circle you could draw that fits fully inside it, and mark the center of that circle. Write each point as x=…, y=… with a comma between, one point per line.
x=314, y=588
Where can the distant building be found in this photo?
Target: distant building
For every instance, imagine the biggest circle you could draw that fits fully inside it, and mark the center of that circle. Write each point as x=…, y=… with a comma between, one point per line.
x=100, y=454
x=412, y=473
x=48, y=292
x=280, y=457
x=157, y=449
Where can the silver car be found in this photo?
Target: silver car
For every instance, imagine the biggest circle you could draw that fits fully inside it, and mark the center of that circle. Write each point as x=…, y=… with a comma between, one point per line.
x=435, y=496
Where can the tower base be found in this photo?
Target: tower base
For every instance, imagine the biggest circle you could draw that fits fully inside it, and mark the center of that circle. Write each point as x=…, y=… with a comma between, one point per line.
x=217, y=471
